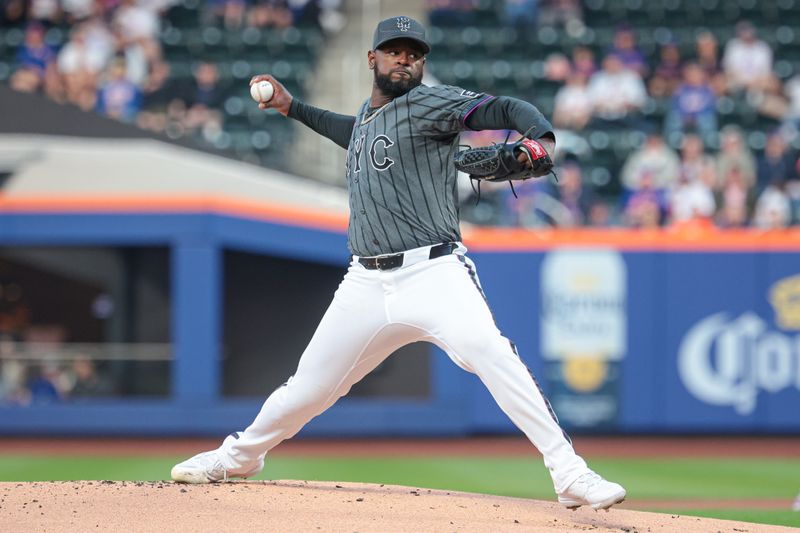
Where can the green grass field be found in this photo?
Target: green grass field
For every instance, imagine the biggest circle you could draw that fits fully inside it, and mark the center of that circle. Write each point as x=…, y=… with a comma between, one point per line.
x=645, y=479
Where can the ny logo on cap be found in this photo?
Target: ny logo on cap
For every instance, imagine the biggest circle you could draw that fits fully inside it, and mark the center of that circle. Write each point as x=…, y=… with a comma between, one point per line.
x=404, y=23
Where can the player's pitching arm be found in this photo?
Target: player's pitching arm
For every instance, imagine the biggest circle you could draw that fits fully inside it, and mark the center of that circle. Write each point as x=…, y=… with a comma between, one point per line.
x=334, y=126
x=506, y=113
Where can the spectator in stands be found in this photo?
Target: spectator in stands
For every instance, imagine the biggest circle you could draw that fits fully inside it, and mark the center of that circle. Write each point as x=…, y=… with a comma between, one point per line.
x=520, y=13
x=668, y=73
x=654, y=166
x=12, y=371
x=618, y=95
x=14, y=322
x=305, y=12
x=203, y=100
x=26, y=80
x=80, y=56
x=136, y=29
x=157, y=92
x=732, y=216
x=694, y=105
x=791, y=121
x=735, y=199
x=748, y=60
x=118, y=97
x=628, y=53
x=331, y=18
x=45, y=11
x=13, y=12
x=87, y=382
x=773, y=208
x=599, y=214
x=776, y=164
x=568, y=203
x=134, y=21
x=34, y=59
x=557, y=67
x=696, y=165
x=531, y=207
x=270, y=13
x=80, y=64
x=583, y=61
x=646, y=206
x=573, y=104
x=78, y=10
x=707, y=50
x=575, y=199
x=770, y=101
x=206, y=89
x=100, y=38
x=734, y=154
x=34, y=53
x=44, y=384
x=690, y=202
x=140, y=56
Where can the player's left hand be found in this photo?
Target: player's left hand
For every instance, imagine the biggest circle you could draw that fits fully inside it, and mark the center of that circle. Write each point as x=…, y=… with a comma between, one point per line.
x=549, y=146
x=524, y=159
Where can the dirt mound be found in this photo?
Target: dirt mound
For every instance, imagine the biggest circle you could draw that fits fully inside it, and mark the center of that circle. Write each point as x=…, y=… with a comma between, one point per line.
x=308, y=506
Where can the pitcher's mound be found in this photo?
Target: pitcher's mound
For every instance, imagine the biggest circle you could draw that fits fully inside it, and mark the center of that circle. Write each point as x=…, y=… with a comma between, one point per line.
x=308, y=506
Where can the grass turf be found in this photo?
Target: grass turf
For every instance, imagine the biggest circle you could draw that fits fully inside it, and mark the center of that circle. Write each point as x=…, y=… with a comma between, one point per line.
x=774, y=517
x=645, y=479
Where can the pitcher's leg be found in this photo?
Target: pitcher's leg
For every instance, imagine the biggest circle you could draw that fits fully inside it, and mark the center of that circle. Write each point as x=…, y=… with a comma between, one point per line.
x=458, y=319
x=334, y=361
x=313, y=389
x=290, y=407
x=352, y=338
x=494, y=360
x=350, y=341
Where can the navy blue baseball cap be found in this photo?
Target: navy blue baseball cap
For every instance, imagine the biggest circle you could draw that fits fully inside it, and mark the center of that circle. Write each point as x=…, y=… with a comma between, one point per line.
x=400, y=28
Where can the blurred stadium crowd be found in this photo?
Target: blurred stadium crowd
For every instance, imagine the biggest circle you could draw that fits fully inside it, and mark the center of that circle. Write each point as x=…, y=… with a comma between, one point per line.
x=40, y=362
x=164, y=65
x=671, y=113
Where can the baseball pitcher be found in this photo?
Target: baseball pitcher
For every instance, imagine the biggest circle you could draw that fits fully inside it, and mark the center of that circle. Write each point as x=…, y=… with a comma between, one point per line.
x=410, y=279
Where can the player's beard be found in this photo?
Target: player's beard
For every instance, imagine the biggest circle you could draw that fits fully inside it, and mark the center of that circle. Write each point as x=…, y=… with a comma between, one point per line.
x=397, y=88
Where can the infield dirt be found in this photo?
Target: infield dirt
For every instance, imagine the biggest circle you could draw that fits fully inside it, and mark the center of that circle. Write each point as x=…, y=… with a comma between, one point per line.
x=298, y=506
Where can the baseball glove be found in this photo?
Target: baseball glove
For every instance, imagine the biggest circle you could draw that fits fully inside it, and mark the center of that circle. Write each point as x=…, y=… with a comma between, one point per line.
x=499, y=162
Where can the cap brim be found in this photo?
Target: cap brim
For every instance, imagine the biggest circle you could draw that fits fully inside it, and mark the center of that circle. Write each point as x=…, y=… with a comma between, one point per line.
x=425, y=46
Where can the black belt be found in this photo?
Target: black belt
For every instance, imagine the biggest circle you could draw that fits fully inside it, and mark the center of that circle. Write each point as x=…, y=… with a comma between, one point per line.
x=388, y=262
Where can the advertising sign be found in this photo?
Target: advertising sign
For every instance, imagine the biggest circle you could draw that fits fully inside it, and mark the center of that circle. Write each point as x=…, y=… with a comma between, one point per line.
x=583, y=334
x=729, y=361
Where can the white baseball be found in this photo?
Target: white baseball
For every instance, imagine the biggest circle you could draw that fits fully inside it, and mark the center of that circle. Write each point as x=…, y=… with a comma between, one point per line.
x=262, y=91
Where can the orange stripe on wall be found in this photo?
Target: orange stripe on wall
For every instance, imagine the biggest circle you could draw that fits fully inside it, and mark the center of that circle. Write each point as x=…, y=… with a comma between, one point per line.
x=673, y=239
x=693, y=238
x=314, y=218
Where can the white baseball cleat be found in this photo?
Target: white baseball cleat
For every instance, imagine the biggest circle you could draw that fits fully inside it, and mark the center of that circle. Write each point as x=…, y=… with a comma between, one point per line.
x=591, y=489
x=206, y=468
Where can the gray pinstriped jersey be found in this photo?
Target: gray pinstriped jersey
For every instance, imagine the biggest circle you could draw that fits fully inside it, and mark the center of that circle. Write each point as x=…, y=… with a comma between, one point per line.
x=400, y=175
